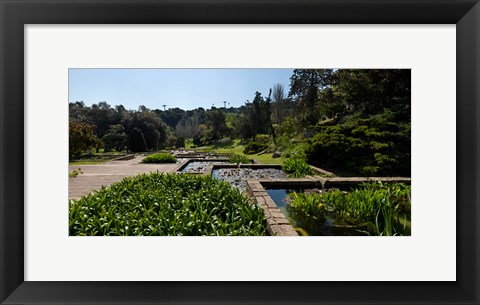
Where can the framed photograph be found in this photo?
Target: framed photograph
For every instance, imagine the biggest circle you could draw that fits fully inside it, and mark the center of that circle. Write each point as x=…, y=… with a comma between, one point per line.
x=55, y=54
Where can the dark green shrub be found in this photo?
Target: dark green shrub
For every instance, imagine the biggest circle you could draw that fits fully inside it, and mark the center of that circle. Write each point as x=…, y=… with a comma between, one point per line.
x=239, y=159
x=166, y=204
x=197, y=140
x=136, y=141
x=160, y=158
x=115, y=138
x=296, y=168
x=180, y=142
x=254, y=148
x=374, y=146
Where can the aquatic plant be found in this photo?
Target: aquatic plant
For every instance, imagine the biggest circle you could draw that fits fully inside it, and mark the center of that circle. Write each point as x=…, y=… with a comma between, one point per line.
x=380, y=208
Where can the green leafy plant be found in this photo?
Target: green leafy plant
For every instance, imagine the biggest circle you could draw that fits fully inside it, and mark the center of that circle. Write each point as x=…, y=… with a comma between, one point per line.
x=166, y=204
x=296, y=168
x=160, y=158
x=239, y=159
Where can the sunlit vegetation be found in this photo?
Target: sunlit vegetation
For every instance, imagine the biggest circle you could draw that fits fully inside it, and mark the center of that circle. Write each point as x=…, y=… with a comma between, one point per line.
x=239, y=159
x=374, y=209
x=296, y=168
x=348, y=121
x=166, y=204
x=160, y=158
x=352, y=122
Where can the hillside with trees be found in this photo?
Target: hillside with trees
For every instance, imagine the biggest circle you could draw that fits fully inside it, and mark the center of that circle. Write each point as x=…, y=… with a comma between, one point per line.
x=348, y=121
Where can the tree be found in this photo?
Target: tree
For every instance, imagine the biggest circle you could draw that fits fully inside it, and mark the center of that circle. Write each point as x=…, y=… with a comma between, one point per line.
x=180, y=142
x=216, y=124
x=366, y=92
x=78, y=111
x=279, y=106
x=115, y=138
x=136, y=141
x=278, y=94
x=255, y=117
x=370, y=131
x=102, y=116
x=81, y=138
x=171, y=117
x=152, y=127
x=188, y=126
x=304, y=87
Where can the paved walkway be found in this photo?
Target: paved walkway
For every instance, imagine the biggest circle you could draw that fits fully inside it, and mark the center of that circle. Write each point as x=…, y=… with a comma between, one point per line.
x=97, y=175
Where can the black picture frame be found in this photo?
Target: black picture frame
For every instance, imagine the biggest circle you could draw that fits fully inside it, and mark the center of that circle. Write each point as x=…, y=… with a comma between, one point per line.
x=14, y=14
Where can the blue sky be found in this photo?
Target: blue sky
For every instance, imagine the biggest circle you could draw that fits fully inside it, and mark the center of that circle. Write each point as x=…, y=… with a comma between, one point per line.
x=183, y=88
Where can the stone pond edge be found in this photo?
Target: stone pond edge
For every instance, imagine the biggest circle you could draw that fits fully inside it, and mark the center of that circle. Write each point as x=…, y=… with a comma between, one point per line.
x=277, y=224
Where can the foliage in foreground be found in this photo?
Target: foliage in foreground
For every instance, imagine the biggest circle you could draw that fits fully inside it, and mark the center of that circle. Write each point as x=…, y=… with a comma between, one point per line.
x=166, y=204
x=160, y=158
x=379, y=208
x=296, y=168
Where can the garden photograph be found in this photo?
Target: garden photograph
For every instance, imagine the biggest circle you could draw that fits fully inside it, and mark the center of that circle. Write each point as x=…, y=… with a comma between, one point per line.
x=239, y=152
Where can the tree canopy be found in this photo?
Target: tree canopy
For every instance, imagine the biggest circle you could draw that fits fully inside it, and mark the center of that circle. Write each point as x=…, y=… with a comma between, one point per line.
x=351, y=121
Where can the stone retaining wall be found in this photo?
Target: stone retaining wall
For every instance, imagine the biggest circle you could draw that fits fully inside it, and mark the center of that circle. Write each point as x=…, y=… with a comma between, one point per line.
x=322, y=171
x=182, y=165
x=124, y=158
x=277, y=224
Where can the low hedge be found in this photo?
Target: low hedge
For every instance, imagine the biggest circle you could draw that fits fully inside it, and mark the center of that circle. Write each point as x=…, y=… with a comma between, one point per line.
x=160, y=158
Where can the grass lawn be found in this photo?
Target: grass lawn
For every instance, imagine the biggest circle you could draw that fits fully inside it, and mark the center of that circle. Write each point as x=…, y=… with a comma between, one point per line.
x=267, y=159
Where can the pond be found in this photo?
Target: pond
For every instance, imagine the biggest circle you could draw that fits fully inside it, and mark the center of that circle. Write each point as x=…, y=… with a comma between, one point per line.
x=238, y=176
x=200, y=166
x=308, y=226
